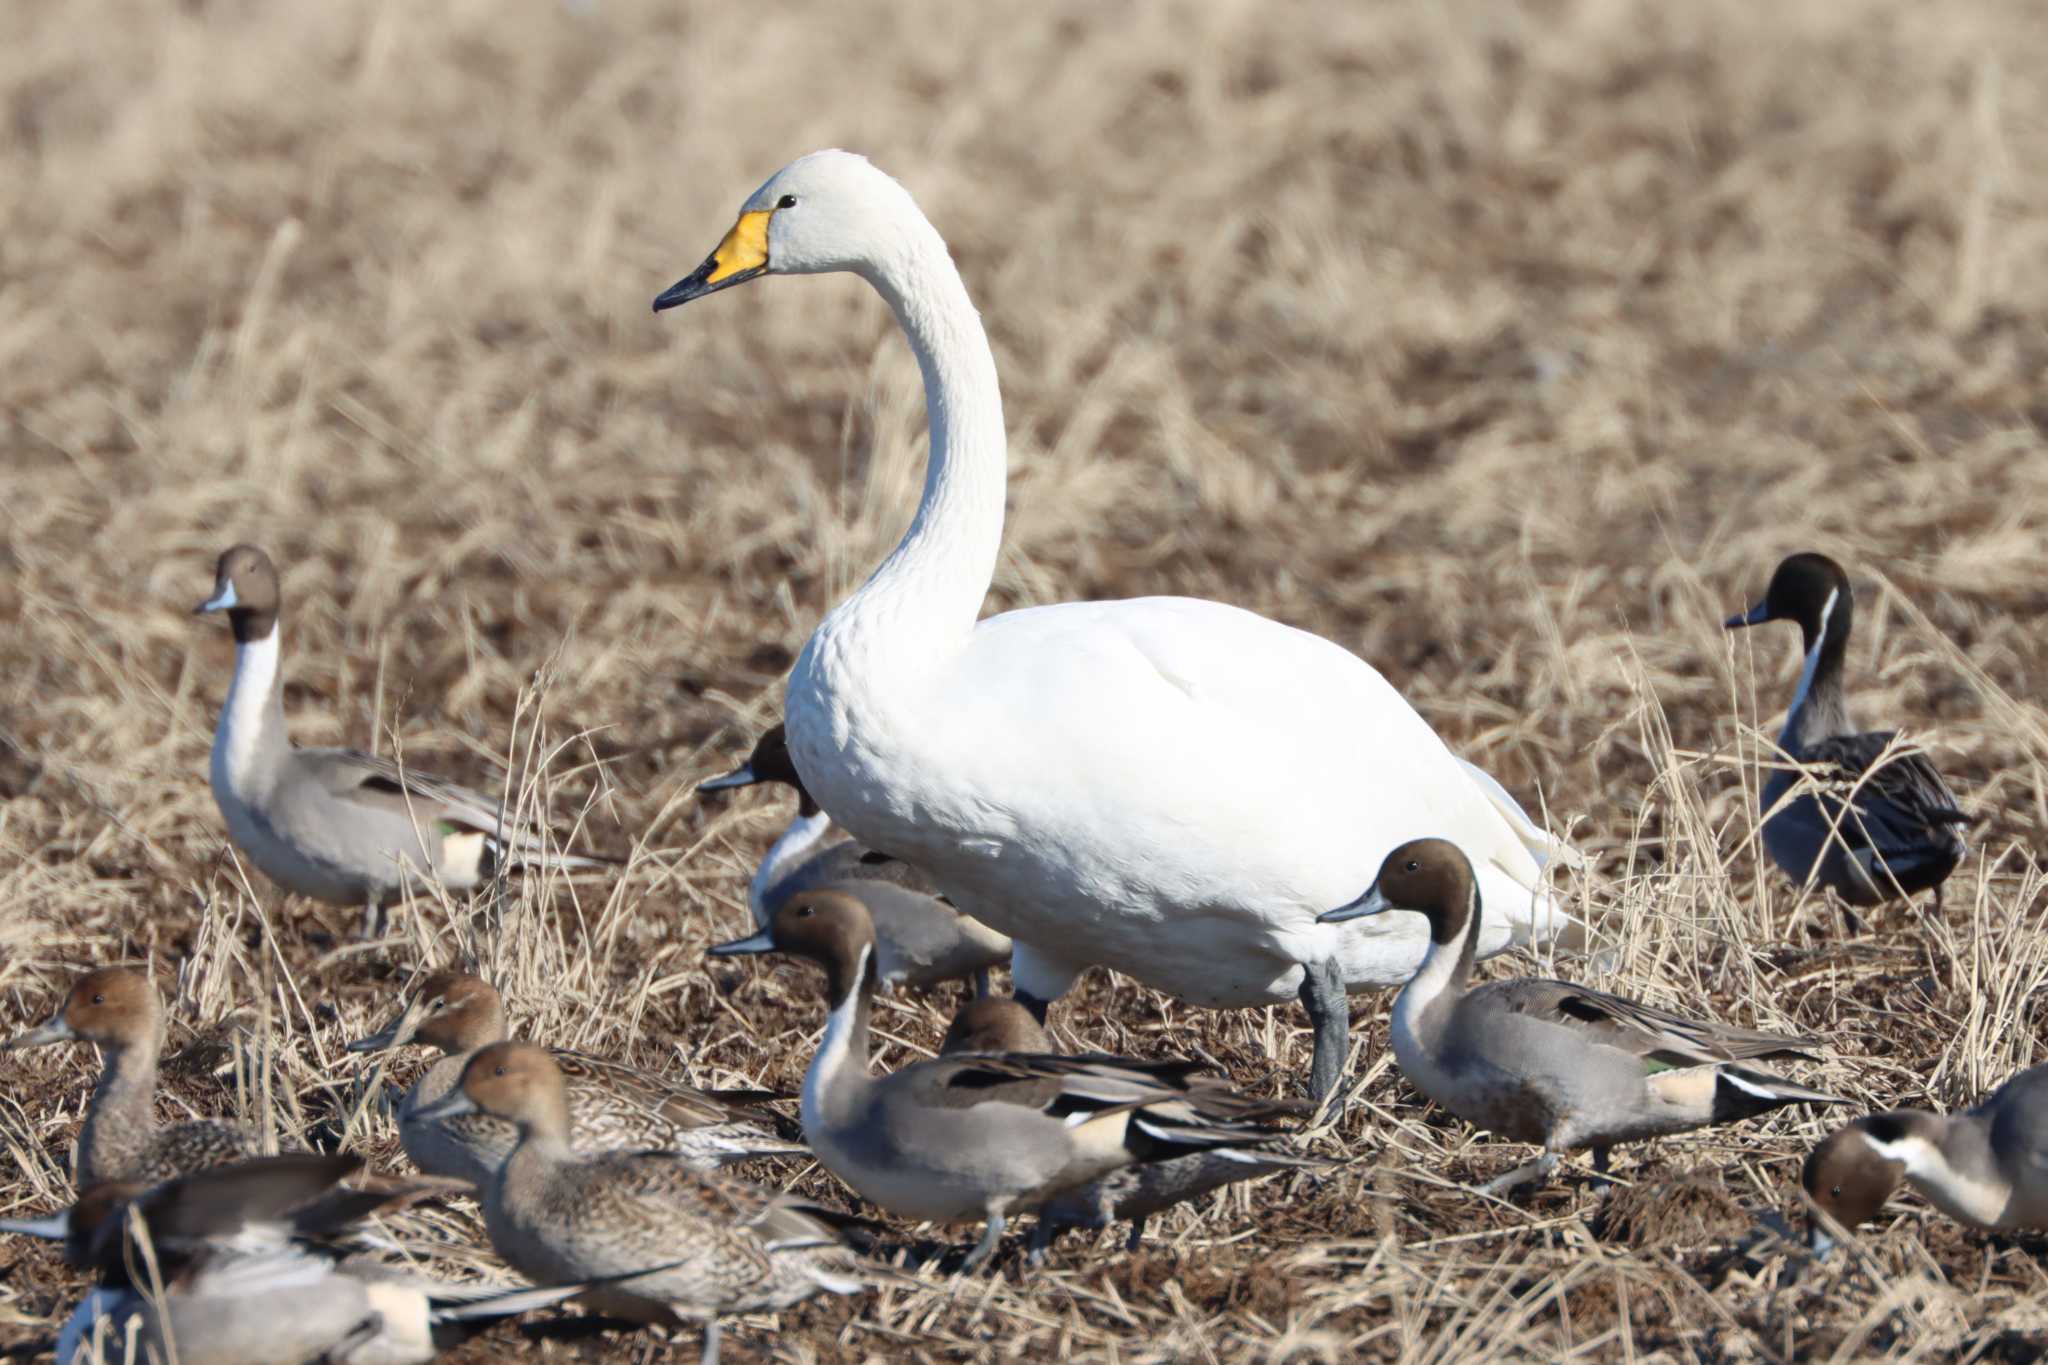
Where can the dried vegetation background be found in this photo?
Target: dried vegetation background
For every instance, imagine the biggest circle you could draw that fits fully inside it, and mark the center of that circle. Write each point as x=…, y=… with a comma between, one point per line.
x=1509, y=345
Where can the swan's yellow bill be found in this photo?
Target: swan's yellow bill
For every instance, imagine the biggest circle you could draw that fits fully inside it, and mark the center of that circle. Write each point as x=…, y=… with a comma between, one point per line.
x=739, y=258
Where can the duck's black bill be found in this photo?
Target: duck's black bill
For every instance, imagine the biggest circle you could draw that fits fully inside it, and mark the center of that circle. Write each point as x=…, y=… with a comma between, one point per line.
x=742, y=776
x=1755, y=616
x=698, y=283
x=763, y=942
x=1371, y=903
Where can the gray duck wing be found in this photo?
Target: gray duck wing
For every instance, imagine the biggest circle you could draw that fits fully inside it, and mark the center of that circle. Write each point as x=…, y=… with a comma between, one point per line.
x=378, y=784
x=1899, y=801
x=850, y=861
x=1659, y=1037
x=670, y=1102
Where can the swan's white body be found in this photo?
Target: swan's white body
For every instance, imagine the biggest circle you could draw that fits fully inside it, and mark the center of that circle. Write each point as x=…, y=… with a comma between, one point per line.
x=1170, y=787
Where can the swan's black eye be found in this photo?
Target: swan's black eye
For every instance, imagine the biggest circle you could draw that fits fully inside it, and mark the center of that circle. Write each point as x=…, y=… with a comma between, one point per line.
x=787, y=201
x=1413, y=866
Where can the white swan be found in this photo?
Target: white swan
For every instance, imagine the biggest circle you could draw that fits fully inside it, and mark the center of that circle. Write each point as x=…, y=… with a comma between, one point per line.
x=1171, y=787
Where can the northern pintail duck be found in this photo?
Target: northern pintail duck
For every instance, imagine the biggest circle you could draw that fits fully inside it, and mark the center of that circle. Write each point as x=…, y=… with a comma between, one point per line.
x=716, y=1245
x=1987, y=1166
x=339, y=826
x=1884, y=825
x=961, y=1139
x=1136, y=1192
x=920, y=938
x=253, y=1266
x=610, y=1105
x=1549, y=1062
x=117, y=1009
x=1165, y=786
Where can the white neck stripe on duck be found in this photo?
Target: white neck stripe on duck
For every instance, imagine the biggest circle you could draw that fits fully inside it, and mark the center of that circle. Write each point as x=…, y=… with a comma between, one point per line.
x=845, y=1044
x=1820, y=644
x=1932, y=1172
x=252, y=707
x=1447, y=966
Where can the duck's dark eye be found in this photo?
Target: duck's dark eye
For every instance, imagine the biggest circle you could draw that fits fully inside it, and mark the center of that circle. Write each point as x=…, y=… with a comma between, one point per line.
x=1413, y=866
x=803, y=912
x=499, y=1072
x=787, y=201
x=1836, y=1192
x=99, y=1000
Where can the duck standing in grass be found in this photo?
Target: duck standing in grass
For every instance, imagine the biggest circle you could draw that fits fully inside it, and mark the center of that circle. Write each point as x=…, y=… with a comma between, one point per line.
x=1548, y=1062
x=709, y=1244
x=336, y=825
x=1169, y=787
x=980, y=1137
x=611, y=1105
x=117, y=1008
x=921, y=939
x=1987, y=1166
x=1883, y=825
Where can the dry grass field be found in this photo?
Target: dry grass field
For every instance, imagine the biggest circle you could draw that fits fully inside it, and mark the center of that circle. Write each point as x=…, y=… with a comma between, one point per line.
x=1510, y=346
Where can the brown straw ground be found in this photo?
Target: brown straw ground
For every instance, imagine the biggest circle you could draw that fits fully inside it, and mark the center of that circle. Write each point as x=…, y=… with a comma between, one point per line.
x=1510, y=346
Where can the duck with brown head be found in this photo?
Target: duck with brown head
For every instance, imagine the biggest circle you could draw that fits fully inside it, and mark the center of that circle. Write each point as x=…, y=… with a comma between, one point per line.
x=1547, y=1062
x=1883, y=825
x=979, y=1137
x=611, y=1105
x=921, y=940
x=337, y=825
x=117, y=1008
x=709, y=1244
x=1987, y=1166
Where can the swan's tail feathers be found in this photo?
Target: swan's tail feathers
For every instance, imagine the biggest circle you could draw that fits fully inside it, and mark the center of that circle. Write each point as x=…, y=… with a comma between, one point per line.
x=1544, y=846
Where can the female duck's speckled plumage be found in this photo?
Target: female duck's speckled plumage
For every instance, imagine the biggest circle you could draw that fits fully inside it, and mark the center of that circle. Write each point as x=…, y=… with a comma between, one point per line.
x=1136, y=1192
x=1883, y=826
x=611, y=1105
x=1987, y=1166
x=980, y=1136
x=255, y=1265
x=921, y=939
x=1548, y=1062
x=117, y=1008
x=713, y=1244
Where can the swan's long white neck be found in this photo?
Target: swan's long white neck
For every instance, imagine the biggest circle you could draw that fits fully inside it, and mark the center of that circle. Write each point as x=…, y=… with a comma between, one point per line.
x=252, y=719
x=932, y=586
x=785, y=855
